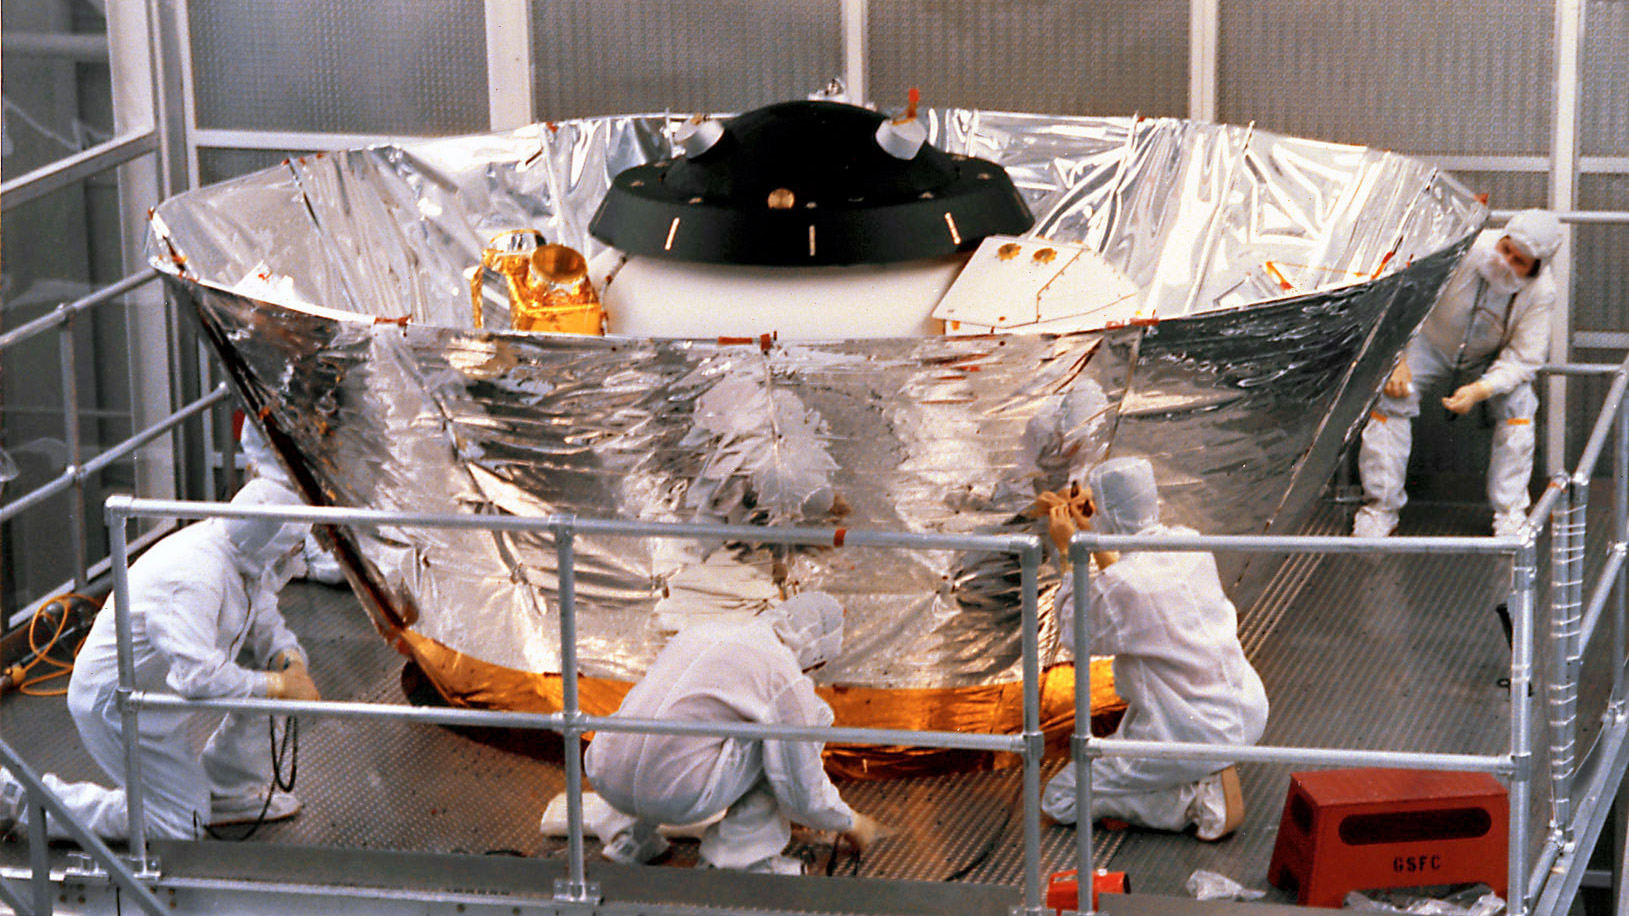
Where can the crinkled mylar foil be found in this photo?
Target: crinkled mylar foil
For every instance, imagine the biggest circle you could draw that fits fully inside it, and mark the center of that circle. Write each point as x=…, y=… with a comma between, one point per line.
x=1287, y=276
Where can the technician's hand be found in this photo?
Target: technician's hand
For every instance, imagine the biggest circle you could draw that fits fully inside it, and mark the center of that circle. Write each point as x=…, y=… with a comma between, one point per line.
x=1467, y=396
x=292, y=683
x=864, y=832
x=1064, y=515
x=1397, y=385
x=284, y=659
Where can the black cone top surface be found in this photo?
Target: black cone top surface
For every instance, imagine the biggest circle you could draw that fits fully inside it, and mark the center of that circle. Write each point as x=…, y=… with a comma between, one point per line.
x=805, y=183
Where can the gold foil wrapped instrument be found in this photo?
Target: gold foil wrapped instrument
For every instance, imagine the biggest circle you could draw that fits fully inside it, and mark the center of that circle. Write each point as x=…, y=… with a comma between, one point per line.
x=548, y=285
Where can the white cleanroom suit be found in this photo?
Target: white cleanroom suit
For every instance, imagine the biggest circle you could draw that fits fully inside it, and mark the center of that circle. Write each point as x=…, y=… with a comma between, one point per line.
x=1484, y=340
x=1177, y=662
x=316, y=562
x=740, y=672
x=197, y=599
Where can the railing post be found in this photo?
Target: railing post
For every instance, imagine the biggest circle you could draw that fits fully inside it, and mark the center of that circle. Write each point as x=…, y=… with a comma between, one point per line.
x=1034, y=740
x=1565, y=623
x=39, y=861
x=69, y=367
x=128, y=714
x=1620, y=535
x=575, y=887
x=1080, y=757
x=1522, y=602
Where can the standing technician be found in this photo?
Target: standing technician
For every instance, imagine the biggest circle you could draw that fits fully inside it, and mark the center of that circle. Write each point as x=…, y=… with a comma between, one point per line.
x=1483, y=341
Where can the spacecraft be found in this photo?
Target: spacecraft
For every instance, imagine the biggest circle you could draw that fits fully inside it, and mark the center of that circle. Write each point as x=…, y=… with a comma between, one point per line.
x=810, y=314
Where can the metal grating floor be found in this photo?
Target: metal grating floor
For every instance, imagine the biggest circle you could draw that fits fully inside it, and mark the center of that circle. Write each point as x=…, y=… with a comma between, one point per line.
x=1399, y=654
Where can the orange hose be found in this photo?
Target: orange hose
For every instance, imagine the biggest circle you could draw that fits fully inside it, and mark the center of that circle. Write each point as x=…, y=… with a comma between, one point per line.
x=42, y=652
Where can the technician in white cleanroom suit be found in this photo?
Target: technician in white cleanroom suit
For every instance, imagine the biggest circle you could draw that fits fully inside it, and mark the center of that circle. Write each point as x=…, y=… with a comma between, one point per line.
x=1177, y=662
x=316, y=563
x=197, y=598
x=752, y=671
x=1484, y=341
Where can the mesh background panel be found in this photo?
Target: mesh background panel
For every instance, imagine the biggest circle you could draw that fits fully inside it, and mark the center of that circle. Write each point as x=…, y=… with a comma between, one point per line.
x=1509, y=190
x=1431, y=77
x=596, y=57
x=1600, y=301
x=1053, y=56
x=363, y=66
x=1600, y=283
x=220, y=164
x=1604, y=130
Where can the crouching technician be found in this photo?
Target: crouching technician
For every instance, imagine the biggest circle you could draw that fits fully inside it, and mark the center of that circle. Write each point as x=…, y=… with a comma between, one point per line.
x=753, y=671
x=198, y=599
x=1177, y=662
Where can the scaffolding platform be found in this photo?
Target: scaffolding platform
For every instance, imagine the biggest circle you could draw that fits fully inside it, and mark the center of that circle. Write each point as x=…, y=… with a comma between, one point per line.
x=1397, y=653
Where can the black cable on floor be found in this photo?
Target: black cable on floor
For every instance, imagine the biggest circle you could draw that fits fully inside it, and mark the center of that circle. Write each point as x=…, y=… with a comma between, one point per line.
x=286, y=749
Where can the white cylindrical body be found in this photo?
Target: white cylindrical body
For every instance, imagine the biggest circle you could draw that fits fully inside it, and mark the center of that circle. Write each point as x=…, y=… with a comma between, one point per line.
x=648, y=297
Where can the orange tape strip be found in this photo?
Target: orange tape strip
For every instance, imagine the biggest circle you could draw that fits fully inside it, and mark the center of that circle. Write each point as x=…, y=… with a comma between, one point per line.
x=1272, y=269
x=837, y=537
x=1383, y=262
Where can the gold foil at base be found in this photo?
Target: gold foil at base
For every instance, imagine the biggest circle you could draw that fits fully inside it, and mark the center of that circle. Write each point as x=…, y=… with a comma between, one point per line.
x=997, y=709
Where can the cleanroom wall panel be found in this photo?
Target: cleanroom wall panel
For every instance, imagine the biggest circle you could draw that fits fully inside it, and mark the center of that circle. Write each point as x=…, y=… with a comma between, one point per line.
x=1601, y=265
x=1058, y=56
x=593, y=57
x=220, y=164
x=1604, y=116
x=1600, y=299
x=1509, y=190
x=56, y=103
x=1600, y=293
x=1600, y=271
x=1438, y=77
x=361, y=66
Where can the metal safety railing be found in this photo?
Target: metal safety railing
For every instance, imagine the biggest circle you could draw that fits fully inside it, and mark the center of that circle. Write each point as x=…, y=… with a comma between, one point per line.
x=571, y=722
x=64, y=320
x=1511, y=764
x=1582, y=786
x=41, y=801
x=76, y=168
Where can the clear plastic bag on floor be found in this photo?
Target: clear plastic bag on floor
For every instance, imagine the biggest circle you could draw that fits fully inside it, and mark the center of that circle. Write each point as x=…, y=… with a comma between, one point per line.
x=1475, y=900
x=1209, y=885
